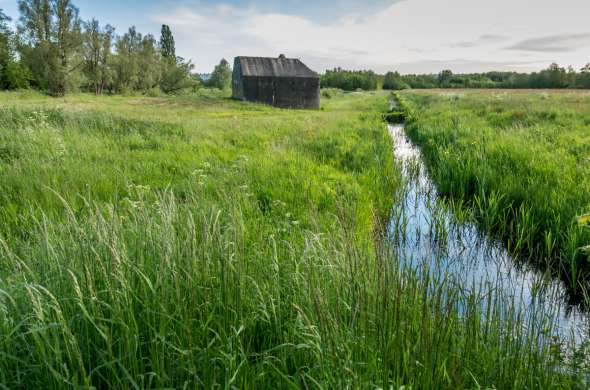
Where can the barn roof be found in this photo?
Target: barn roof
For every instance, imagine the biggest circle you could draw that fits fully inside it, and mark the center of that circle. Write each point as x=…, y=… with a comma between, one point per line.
x=274, y=67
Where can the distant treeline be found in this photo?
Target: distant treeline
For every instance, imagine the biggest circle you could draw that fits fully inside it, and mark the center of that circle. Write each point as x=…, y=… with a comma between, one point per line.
x=56, y=52
x=52, y=50
x=552, y=77
x=348, y=80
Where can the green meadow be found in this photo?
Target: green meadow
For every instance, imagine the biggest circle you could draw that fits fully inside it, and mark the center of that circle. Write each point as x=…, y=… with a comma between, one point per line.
x=520, y=161
x=198, y=242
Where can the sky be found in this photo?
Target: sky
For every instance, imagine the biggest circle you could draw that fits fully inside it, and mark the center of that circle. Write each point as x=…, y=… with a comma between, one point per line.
x=411, y=36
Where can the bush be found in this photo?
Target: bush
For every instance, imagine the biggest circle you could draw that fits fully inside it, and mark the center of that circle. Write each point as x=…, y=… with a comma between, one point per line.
x=330, y=93
x=17, y=76
x=394, y=82
x=350, y=80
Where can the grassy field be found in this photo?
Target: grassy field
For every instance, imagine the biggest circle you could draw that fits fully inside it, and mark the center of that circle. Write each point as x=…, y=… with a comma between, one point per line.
x=198, y=242
x=520, y=160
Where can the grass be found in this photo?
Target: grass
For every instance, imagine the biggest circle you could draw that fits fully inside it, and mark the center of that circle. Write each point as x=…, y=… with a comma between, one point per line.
x=197, y=242
x=519, y=160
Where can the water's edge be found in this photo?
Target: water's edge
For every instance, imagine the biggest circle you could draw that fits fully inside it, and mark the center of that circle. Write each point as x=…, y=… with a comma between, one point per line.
x=425, y=233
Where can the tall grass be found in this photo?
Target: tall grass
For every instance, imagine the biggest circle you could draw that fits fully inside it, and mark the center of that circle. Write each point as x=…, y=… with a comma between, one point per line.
x=235, y=254
x=180, y=294
x=518, y=159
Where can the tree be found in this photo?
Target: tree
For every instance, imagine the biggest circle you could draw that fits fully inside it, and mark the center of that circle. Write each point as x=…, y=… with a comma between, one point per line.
x=555, y=77
x=52, y=33
x=570, y=77
x=221, y=76
x=393, y=81
x=176, y=73
x=177, y=76
x=137, y=65
x=13, y=75
x=5, y=37
x=16, y=76
x=445, y=77
x=167, y=46
x=350, y=80
x=583, y=78
x=125, y=63
x=97, y=55
x=150, y=64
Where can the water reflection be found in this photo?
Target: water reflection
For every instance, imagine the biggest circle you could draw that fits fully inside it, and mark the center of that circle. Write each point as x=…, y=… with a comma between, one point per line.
x=426, y=233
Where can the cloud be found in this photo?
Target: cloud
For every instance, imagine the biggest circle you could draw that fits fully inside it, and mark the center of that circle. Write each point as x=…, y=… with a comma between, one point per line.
x=554, y=43
x=228, y=31
x=401, y=35
x=485, y=39
x=315, y=10
x=466, y=66
x=211, y=31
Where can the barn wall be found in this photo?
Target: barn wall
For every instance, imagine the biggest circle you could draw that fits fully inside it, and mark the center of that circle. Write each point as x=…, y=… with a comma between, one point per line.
x=284, y=92
x=237, y=81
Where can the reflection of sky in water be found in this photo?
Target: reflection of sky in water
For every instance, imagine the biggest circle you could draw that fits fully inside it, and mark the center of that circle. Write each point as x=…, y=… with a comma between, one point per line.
x=427, y=234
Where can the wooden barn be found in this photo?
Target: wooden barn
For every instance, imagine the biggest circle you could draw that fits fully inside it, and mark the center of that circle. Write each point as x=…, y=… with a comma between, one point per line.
x=281, y=82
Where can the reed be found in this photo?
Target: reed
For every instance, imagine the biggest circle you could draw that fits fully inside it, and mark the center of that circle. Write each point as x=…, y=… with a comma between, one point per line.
x=518, y=160
x=215, y=244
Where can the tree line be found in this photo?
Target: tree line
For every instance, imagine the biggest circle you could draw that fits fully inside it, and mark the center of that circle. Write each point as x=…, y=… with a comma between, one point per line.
x=53, y=50
x=553, y=77
x=348, y=80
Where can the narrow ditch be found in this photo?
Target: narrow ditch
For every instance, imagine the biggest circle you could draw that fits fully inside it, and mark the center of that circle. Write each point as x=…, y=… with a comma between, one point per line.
x=427, y=235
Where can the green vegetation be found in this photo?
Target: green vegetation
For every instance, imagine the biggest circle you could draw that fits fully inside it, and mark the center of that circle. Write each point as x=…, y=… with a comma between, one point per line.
x=348, y=80
x=221, y=76
x=12, y=74
x=193, y=241
x=553, y=77
x=198, y=242
x=54, y=51
x=393, y=81
x=520, y=161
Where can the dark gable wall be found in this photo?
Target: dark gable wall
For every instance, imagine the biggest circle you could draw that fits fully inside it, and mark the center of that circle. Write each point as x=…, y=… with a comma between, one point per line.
x=283, y=92
x=237, y=82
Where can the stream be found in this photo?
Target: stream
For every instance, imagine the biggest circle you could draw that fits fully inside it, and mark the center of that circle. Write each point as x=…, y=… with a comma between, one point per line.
x=426, y=233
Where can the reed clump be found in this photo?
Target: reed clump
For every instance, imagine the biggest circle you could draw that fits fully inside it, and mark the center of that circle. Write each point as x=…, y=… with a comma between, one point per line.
x=203, y=243
x=518, y=160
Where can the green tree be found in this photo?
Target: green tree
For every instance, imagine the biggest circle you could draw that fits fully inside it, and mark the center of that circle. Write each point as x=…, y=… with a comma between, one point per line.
x=52, y=37
x=393, y=81
x=167, y=46
x=13, y=75
x=350, y=80
x=583, y=78
x=150, y=64
x=16, y=76
x=445, y=78
x=556, y=77
x=176, y=72
x=221, y=76
x=126, y=66
x=5, y=49
x=177, y=76
x=138, y=65
x=97, y=55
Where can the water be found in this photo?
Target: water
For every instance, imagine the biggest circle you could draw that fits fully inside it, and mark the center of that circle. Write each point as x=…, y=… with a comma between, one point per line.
x=426, y=233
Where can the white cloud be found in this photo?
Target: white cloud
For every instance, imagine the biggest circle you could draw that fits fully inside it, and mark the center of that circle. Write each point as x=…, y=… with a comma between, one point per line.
x=425, y=34
x=554, y=43
x=485, y=39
